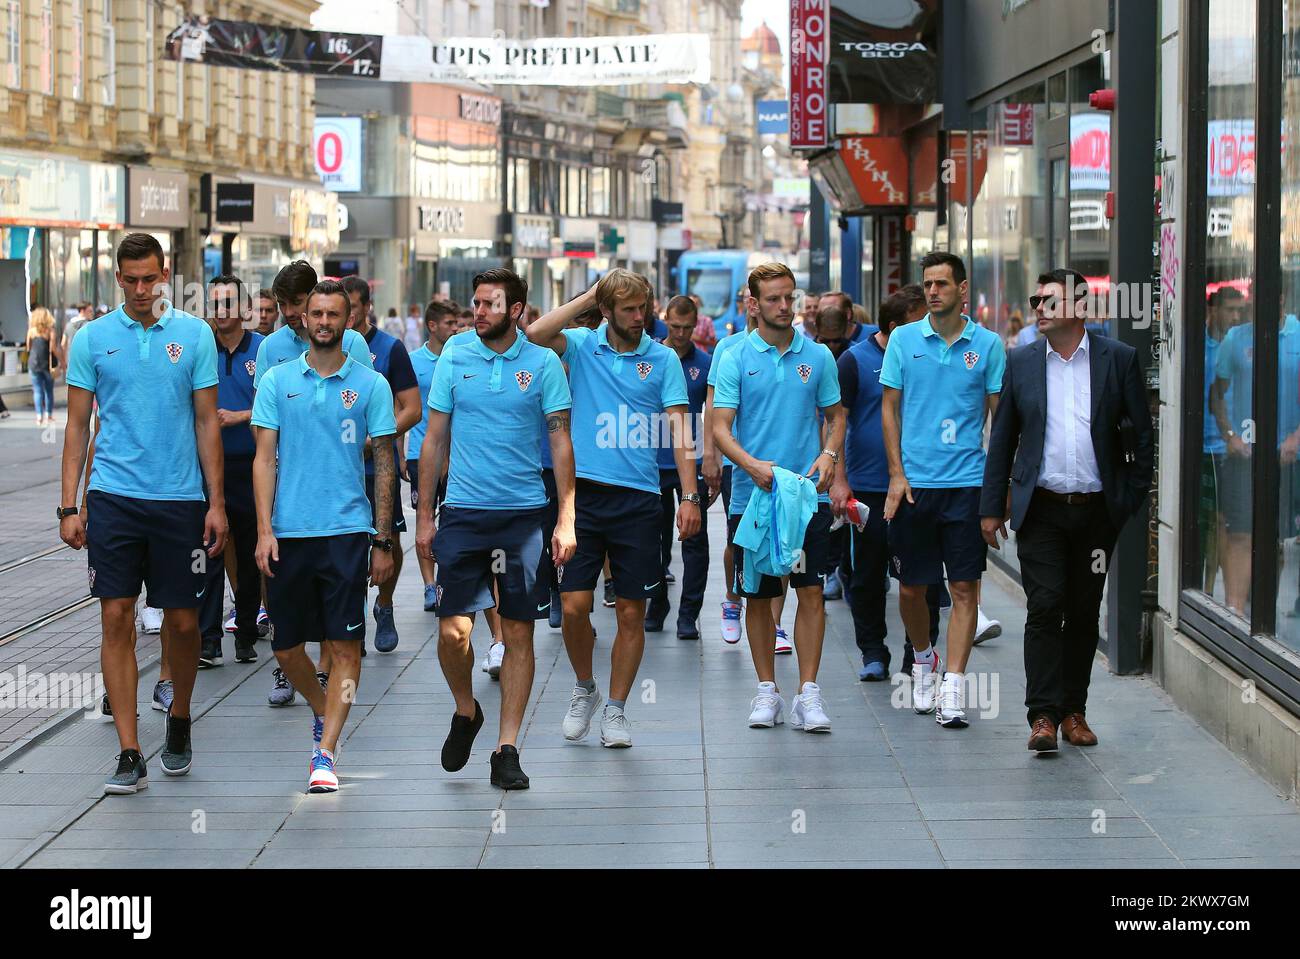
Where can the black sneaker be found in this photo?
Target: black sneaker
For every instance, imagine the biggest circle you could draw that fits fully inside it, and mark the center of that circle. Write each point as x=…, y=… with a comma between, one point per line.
x=609, y=593
x=656, y=612
x=106, y=710
x=131, y=775
x=177, y=755
x=211, y=654
x=669, y=577
x=687, y=627
x=324, y=680
x=505, y=769
x=245, y=653
x=460, y=740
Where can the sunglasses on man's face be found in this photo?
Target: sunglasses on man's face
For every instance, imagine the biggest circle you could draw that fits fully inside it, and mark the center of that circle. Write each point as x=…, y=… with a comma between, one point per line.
x=1047, y=300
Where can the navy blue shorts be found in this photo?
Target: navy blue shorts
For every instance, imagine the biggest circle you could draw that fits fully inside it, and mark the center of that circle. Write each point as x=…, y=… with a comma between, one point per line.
x=319, y=589
x=399, y=520
x=413, y=473
x=155, y=542
x=816, y=551
x=726, y=495
x=940, y=530
x=476, y=548
x=622, y=524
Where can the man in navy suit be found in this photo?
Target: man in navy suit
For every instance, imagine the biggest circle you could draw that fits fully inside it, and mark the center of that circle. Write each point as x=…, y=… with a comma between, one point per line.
x=1074, y=417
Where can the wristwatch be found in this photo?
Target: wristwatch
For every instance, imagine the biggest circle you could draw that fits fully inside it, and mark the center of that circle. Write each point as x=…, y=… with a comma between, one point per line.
x=691, y=498
x=385, y=544
x=63, y=511
x=835, y=457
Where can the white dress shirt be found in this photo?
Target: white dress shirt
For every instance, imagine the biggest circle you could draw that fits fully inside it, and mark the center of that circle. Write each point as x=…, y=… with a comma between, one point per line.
x=1069, y=461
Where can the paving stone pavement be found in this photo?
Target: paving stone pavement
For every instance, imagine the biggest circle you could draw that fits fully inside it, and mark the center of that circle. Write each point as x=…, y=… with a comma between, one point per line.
x=885, y=789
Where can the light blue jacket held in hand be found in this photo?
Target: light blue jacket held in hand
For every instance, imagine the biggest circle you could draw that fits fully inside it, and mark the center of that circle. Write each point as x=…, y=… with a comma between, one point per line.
x=772, y=528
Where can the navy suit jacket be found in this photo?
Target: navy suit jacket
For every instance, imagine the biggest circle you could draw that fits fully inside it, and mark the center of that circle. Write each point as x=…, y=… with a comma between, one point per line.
x=1016, y=443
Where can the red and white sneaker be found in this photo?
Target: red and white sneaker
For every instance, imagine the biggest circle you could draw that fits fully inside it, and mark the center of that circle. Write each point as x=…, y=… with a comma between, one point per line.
x=323, y=779
x=783, y=646
x=731, y=622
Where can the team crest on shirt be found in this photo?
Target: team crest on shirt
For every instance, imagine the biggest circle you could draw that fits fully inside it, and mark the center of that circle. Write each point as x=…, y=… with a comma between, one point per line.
x=251, y=366
x=970, y=358
x=694, y=373
x=804, y=371
x=643, y=369
x=174, y=351
x=524, y=379
x=373, y=358
x=349, y=397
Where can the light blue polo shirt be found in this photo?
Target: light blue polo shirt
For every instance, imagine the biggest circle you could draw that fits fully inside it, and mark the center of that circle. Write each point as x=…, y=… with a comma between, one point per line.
x=776, y=397
x=144, y=382
x=618, y=402
x=497, y=402
x=320, y=486
x=284, y=345
x=423, y=361
x=942, y=408
x=1235, y=363
x=723, y=345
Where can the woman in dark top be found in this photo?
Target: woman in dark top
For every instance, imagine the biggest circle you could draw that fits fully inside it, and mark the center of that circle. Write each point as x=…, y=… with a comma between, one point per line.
x=42, y=354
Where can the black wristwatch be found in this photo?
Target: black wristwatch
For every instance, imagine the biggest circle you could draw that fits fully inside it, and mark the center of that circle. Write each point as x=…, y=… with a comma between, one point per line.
x=385, y=544
x=63, y=511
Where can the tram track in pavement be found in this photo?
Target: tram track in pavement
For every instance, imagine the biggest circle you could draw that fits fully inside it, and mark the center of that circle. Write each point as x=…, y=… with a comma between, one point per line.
x=53, y=615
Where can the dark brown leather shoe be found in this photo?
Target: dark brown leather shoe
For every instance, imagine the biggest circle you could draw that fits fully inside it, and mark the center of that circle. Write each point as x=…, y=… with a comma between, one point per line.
x=1075, y=729
x=1042, y=735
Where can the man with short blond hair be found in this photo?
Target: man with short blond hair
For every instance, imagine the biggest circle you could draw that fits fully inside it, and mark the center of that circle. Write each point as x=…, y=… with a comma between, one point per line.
x=623, y=383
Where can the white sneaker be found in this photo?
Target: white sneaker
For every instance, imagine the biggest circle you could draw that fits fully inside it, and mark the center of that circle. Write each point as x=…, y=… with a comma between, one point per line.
x=924, y=685
x=766, y=708
x=986, y=628
x=951, y=712
x=615, y=731
x=583, y=705
x=783, y=642
x=808, y=711
x=150, y=620
x=731, y=622
x=492, y=663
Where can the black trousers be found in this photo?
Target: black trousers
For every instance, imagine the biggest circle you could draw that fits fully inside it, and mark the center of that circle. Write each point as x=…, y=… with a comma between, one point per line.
x=552, y=516
x=1064, y=554
x=867, y=560
x=695, y=551
x=242, y=538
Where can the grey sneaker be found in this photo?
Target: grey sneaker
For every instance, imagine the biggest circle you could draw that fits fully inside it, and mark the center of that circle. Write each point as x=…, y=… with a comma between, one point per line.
x=582, y=707
x=282, y=693
x=131, y=775
x=177, y=756
x=615, y=731
x=162, y=695
x=385, y=629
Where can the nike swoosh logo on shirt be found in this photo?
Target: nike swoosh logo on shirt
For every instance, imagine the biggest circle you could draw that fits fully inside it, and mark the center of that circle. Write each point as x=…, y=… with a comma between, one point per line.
x=469, y=376
x=357, y=626
x=918, y=356
x=290, y=396
x=877, y=371
x=752, y=372
x=111, y=352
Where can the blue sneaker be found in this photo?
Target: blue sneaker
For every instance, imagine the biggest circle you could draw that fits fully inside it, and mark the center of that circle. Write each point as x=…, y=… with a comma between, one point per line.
x=323, y=778
x=385, y=631
x=873, y=672
x=431, y=598
x=831, y=587
x=317, y=730
x=162, y=695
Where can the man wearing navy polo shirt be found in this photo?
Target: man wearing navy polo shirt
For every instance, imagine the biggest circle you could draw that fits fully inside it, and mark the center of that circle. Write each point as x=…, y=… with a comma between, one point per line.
x=771, y=388
x=623, y=383
x=315, y=539
x=152, y=369
x=491, y=389
x=682, y=317
x=291, y=286
x=942, y=376
x=392, y=361
x=236, y=352
x=439, y=327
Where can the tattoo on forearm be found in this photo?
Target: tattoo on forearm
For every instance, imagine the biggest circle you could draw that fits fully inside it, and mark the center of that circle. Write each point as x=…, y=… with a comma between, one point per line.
x=557, y=422
x=385, y=482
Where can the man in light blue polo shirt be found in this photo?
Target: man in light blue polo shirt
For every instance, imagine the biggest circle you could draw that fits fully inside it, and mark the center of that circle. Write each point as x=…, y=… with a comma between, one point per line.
x=770, y=390
x=439, y=326
x=942, y=376
x=315, y=540
x=624, y=387
x=491, y=391
x=153, y=371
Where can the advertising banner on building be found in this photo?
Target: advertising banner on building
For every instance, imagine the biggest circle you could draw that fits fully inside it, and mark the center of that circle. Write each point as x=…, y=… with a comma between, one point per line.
x=545, y=61
x=43, y=190
x=878, y=168
x=157, y=198
x=884, y=51
x=1089, y=151
x=773, y=116
x=1230, y=160
x=809, y=36
x=337, y=149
